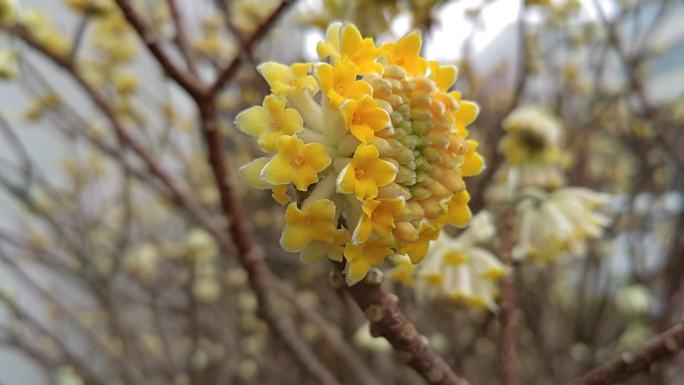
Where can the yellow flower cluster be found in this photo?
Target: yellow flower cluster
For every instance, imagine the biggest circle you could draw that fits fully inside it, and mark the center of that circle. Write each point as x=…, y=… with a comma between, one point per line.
x=374, y=145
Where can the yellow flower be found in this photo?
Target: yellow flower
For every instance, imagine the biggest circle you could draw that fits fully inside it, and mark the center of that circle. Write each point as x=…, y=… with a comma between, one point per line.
x=345, y=42
x=403, y=270
x=418, y=249
x=406, y=53
x=458, y=213
x=364, y=118
x=378, y=216
x=251, y=173
x=360, y=258
x=280, y=194
x=317, y=250
x=466, y=114
x=473, y=163
x=269, y=122
x=296, y=163
x=283, y=79
x=316, y=222
x=339, y=83
x=444, y=77
x=365, y=173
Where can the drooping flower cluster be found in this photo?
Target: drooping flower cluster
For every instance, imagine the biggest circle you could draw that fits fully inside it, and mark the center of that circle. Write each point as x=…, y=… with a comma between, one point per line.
x=532, y=149
x=457, y=269
x=559, y=223
x=372, y=142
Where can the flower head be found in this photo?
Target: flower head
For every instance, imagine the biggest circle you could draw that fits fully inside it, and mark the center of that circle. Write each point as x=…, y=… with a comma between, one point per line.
x=374, y=142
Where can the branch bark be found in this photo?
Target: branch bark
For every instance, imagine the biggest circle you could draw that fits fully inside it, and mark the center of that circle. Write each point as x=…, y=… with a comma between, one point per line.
x=663, y=347
x=387, y=320
x=186, y=80
x=509, y=367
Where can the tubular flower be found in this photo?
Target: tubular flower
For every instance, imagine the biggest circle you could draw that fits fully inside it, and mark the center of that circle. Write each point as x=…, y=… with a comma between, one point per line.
x=532, y=149
x=366, y=173
x=269, y=122
x=314, y=223
x=376, y=135
x=558, y=224
x=364, y=118
x=344, y=42
x=457, y=270
x=296, y=163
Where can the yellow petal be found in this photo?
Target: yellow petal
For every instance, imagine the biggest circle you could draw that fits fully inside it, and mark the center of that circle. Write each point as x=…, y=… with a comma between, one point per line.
x=316, y=156
x=252, y=121
x=251, y=172
x=277, y=171
x=294, y=237
x=473, y=163
x=280, y=194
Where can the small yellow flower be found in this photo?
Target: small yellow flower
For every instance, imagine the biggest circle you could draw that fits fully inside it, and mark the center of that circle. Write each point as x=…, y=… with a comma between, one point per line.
x=269, y=122
x=378, y=216
x=466, y=114
x=444, y=77
x=283, y=79
x=365, y=173
x=458, y=213
x=346, y=43
x=364, y=118
x=473, y=163
x=316, y=222
x=296, y=163
x=418, y=249
x=403, y=271
x=406, y=53
x=280, y=194
x=339, y=83
x=317, y=250
x=360, y=258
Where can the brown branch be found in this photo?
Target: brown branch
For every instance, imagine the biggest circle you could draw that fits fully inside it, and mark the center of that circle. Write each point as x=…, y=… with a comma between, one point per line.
x=509, y=367
x=181, y=36
x=662, y=347
x=246, y=47
x=186, y=80
x=387, y=320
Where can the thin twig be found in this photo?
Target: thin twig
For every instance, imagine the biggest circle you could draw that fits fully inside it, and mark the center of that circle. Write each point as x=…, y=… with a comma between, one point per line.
x=246, y=47
x=181, y=36
x=186, y=80
x=631, y=362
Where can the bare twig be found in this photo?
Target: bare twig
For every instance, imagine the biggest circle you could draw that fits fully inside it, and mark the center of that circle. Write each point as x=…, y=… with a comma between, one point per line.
x=186, y=80
x=181, y=36
x=246, y=47
x=631, y=362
